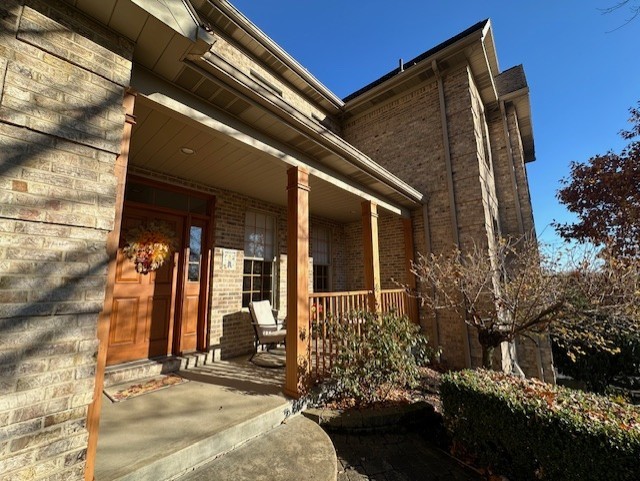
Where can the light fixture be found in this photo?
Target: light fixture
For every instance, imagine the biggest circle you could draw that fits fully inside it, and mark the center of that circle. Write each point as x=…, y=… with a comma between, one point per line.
x=187, y=151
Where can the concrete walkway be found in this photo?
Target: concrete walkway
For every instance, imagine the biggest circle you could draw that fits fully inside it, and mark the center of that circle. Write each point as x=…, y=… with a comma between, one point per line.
x=401, y=456
x=235, y=404
x=298, y=450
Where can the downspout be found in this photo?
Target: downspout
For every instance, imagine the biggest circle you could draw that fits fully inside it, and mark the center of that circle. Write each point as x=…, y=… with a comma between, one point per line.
x=427, y=240
x=452, y=199
x=447, y=155
x=512, y=169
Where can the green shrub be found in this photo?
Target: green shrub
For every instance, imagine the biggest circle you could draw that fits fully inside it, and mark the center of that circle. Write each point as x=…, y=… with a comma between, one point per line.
x=599, y=368
x=530, y=430
x=376, y=355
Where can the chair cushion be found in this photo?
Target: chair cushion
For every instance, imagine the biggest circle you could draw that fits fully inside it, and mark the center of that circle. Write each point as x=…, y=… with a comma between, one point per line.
x=273, y=338
x=262, y=313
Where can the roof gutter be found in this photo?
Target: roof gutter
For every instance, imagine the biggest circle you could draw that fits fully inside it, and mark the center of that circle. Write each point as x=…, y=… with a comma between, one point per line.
x=245, y=24
x=515, y=94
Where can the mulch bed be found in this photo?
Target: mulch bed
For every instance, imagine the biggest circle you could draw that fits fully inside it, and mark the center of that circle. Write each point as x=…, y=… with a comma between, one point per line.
x=427, y=391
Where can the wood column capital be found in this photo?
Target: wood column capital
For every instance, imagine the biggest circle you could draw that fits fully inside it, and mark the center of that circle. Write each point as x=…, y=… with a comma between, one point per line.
x=297, y=178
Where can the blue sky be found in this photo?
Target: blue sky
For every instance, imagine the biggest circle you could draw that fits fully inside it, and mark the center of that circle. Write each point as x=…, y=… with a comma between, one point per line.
x=583, y=74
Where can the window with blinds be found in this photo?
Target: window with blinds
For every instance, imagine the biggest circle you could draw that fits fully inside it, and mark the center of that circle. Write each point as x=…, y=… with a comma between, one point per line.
x=259, y=257
x=321, y=253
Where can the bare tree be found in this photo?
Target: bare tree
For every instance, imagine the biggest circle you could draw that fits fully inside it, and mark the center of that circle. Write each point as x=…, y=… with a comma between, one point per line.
x=631, y=6
x=602, y=294
x=522, y=289
x=502, y=293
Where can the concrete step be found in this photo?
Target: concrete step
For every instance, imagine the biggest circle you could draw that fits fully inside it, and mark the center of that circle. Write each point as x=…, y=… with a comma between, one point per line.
x=169, y=465
x=146, y=368
x=298, y=450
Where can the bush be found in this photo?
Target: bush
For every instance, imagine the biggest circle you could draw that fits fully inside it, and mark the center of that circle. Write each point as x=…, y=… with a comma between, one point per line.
x=376, y=355
x=599, y=368
x=530, y=430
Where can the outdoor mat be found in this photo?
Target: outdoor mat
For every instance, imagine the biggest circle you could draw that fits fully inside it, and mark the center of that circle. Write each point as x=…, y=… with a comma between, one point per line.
x=274, y=358
x=122, y=392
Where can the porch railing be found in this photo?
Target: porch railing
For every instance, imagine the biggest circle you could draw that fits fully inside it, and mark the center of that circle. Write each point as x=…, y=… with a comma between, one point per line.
x=323, y=349
x=394, y=300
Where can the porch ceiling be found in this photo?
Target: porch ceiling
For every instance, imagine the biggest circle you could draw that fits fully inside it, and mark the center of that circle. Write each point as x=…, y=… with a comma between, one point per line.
x=222, y=162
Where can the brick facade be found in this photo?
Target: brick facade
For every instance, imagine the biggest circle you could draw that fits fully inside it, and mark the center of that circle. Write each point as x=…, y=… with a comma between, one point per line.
x=61, y=123
x=62, y=81
x=405, y=135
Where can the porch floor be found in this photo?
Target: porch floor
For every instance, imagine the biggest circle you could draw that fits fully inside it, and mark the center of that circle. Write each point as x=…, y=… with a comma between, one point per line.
x=164, y=433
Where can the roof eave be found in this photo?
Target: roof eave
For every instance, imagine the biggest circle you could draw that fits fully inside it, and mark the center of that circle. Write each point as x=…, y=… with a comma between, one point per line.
x=244, y=85
x=258, y=35
x=522, y=102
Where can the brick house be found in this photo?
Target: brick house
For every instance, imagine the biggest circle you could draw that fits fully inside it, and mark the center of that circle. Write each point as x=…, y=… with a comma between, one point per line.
x=117, y=112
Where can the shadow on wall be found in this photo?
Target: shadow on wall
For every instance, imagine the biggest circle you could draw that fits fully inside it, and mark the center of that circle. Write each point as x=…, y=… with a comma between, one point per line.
x=237, y=335
x=53, y=258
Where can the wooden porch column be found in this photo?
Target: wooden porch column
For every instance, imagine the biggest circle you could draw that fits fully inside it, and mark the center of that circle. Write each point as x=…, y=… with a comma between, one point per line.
x=371, y=254
x=298, y=366
x=412, y=302
x=104, y=319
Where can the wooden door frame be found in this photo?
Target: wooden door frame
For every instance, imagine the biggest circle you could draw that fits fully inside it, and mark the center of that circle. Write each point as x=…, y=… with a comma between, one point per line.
x=204, y=318
x=112, y=243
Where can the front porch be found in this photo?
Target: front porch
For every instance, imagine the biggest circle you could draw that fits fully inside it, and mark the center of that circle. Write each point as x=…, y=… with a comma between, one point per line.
x=224, y=403
x=165, y=433
x=249, y=213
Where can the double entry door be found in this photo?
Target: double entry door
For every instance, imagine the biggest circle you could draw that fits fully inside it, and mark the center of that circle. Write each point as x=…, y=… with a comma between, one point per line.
x=161, y=312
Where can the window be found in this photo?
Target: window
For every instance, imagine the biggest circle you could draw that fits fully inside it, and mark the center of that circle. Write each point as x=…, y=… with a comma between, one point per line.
x=321, y=253
x=148, y=194
x=195, y=253
x=259, y=256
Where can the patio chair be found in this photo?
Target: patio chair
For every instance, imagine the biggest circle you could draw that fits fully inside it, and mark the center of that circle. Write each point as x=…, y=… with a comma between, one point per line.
x=269, y=331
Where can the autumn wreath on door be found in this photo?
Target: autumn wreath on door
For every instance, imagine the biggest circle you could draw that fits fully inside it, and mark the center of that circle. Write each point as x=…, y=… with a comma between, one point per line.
x=149, y=245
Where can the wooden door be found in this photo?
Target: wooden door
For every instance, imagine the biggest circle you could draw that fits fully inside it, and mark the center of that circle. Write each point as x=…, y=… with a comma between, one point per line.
x=143, y=305
x=192, y=285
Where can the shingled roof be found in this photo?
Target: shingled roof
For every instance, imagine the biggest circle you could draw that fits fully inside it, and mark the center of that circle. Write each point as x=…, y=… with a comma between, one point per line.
x=416, y=60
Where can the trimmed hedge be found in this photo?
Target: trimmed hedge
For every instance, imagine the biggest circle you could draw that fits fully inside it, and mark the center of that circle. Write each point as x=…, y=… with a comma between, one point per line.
x=529, y=430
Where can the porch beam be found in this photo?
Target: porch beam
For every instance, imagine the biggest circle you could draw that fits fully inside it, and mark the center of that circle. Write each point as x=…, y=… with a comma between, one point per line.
x=104, y=319
x=371, y=250
x=412, y=301
x=298, y=367
x=170, y=99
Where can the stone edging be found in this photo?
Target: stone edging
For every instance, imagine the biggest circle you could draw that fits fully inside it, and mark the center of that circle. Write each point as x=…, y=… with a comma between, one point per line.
x=370, y=419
